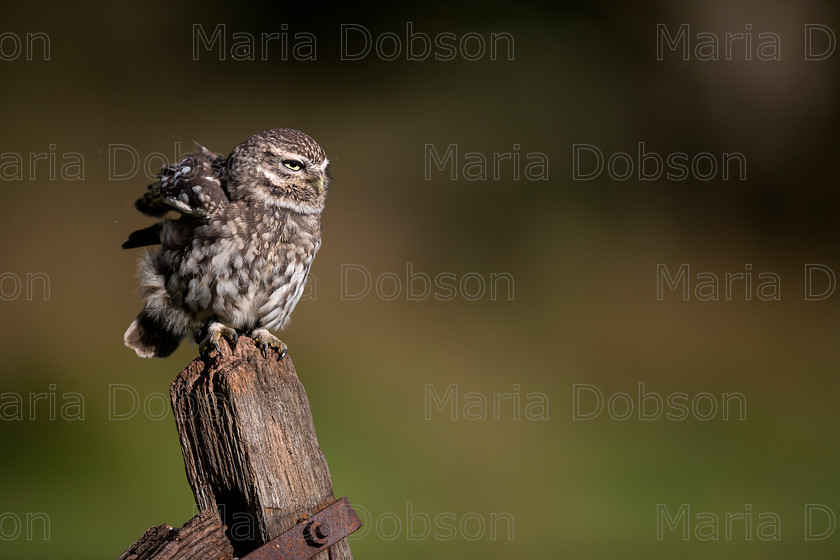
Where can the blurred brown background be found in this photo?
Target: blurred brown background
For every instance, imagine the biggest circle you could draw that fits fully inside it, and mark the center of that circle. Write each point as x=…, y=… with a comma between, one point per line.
x=583, y=256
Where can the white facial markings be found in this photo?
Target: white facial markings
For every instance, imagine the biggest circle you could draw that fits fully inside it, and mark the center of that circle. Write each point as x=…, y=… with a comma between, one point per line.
x=273, y=177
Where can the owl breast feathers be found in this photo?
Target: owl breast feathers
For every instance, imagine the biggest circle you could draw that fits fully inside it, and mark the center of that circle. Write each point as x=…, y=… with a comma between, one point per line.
x=237, y=246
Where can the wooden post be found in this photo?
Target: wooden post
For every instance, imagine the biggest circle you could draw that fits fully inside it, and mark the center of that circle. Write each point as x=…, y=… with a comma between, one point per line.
x=249, y=445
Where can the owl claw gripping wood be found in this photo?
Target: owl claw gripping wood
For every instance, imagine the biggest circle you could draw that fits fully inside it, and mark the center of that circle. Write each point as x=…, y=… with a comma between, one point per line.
x=235, y=254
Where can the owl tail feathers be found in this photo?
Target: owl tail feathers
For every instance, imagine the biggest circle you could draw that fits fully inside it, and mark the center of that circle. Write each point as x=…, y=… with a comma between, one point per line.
x=149, y=339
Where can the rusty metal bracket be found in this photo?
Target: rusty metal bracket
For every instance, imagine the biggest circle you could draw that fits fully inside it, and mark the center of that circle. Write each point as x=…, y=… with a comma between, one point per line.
x=311, y=536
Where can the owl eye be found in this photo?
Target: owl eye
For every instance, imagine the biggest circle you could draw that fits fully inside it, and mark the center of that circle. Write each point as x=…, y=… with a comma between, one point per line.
x=292, y=164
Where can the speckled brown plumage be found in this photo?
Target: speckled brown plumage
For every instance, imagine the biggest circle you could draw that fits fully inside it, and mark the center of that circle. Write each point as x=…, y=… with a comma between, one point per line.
x=236, y=255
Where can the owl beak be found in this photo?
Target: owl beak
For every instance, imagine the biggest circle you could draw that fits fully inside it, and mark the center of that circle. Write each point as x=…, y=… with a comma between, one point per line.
x=318, y=183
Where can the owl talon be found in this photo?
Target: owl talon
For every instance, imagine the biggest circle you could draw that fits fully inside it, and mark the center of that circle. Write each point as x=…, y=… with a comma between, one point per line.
x=215, y=332
x=266, y=340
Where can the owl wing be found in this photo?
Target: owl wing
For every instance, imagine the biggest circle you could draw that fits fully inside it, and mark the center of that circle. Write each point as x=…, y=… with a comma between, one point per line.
x=194, y=186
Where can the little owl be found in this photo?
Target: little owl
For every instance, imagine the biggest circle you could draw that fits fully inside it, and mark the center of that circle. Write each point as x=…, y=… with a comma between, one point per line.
x=235, y=256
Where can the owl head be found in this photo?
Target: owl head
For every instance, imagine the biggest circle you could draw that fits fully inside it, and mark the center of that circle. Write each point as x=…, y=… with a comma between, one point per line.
x=281, y=168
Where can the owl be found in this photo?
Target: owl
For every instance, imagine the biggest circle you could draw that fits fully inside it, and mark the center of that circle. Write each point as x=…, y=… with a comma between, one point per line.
x=237, y=239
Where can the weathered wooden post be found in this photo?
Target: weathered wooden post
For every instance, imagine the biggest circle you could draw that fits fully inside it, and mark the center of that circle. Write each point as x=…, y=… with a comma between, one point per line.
x=251, y=456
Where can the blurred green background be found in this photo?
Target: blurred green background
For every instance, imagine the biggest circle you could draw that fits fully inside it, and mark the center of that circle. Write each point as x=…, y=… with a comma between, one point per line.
x=583, y=256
